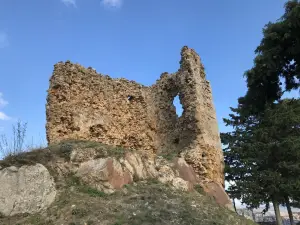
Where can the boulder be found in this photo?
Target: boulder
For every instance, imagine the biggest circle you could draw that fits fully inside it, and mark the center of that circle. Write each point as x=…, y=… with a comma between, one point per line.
x=27, y=189
x=104, y=174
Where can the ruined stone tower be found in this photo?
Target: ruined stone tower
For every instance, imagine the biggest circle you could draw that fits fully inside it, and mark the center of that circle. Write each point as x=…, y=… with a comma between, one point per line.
x=83, y=104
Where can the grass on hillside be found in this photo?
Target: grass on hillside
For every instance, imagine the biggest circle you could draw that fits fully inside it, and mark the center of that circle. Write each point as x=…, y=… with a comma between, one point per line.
x=60, y=150
x=142, y=203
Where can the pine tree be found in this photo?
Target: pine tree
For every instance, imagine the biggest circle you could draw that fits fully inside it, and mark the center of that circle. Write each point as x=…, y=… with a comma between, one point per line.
x=262, y=155
x=277, y=56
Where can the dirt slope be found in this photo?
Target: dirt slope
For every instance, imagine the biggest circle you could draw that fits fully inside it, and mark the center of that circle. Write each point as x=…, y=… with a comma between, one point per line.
x=142, y=203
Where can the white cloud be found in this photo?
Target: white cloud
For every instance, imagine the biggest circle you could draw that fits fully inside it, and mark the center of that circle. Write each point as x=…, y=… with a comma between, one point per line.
x=112, y=3
x=69, y=2
x=3, y=40
x=3, y=103
x=3, y=116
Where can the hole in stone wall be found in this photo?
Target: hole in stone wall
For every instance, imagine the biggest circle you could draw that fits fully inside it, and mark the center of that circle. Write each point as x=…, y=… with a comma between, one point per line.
x=178, y=106
x=130, y=97
x=176, y=140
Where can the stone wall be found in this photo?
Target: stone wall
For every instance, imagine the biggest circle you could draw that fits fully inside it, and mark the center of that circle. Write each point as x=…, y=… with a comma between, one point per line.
x=83, y=104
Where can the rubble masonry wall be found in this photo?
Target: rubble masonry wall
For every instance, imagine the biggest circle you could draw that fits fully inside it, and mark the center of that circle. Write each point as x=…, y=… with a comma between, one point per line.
x=83, y=104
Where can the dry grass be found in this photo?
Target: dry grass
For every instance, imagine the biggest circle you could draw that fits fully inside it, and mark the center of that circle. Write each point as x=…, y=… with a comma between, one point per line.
x=60, y=150
x=143, y=203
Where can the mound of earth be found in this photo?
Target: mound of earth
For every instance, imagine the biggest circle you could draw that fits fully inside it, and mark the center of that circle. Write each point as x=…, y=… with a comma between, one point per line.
x=85, y=183
x=142, y=203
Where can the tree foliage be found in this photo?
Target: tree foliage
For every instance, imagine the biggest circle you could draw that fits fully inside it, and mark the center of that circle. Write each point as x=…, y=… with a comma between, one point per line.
x=262, y=154
x=277, y=56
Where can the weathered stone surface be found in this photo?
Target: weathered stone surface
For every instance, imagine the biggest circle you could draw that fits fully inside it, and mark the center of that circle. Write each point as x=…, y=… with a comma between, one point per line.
x=181, y=184
x=110, y=174
x=83, y=104
x=105, y=174
x=218, y=193
x=135, y=165
x=27, y=189
x=186, y=172
x=166, y=174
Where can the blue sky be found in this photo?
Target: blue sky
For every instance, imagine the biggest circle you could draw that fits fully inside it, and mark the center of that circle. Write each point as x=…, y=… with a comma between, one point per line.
x=134, y=39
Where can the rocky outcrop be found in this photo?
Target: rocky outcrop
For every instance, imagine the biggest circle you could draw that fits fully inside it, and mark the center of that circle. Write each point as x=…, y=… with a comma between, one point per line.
x=105, y=174
x=218, y=193
x=110, y=174
x=185, y=171
x=27, y=189
x=83, y=104
x=30, y=188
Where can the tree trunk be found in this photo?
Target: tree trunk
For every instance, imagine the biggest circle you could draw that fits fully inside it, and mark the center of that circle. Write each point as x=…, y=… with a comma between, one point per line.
x=253, y=215
x=233, y=201
x=288, y=206
x=277, y=212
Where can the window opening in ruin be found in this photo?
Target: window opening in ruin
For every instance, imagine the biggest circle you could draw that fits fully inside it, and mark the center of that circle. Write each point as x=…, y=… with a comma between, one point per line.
x=129, y=97
x=178, y=106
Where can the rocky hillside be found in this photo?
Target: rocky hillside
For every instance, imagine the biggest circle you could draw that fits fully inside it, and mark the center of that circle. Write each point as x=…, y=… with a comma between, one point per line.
x=84, y=183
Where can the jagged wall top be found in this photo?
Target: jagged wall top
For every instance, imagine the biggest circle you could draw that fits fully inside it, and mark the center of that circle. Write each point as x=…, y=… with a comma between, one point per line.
x=83, y=104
